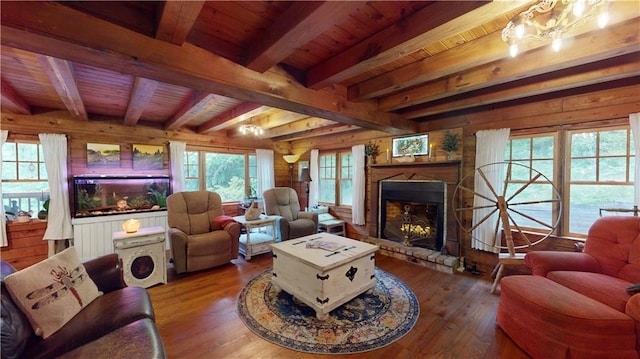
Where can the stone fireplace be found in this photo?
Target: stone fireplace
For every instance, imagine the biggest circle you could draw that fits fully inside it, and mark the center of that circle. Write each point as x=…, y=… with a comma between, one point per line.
x=426, y=188
x=412, y=212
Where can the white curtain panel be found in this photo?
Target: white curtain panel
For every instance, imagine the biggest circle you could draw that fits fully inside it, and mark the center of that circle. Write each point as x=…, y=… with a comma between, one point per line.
x=490, y=146
x=314, y=172
x=359, y=185
x=54, y=147
x=3, y=220
x=177, y=152
x=634, y=121
x=265, y=170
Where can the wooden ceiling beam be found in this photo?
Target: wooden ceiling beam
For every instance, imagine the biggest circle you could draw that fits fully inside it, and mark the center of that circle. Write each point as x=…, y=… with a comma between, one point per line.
x=475, y=53
x=306, y=124
x=11, y=101
x=199, y=104
x=301, y=23
x=232, y=117
x=316, y=132
x=63, y=80
x=276, y=117
x=52, y=29
x=176, y=20
x=597, y=46
x=433, y=23
x=595, y=73
x=141, y=94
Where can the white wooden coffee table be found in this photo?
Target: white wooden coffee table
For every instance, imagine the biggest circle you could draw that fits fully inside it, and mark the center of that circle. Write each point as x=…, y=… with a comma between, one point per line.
x=256, y=241
x=323, y=279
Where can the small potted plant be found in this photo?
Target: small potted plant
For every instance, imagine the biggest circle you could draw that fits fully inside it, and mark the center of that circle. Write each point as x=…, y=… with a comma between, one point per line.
x=371, y=151
x=44, y=213
x=450, y=144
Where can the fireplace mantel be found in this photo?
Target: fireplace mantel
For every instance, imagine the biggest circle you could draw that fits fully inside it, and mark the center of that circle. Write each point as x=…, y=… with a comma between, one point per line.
x=446, y=171
x=415, y=164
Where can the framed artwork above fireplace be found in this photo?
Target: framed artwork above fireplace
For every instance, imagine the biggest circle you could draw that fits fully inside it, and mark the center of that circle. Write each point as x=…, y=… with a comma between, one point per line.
x=417, y=145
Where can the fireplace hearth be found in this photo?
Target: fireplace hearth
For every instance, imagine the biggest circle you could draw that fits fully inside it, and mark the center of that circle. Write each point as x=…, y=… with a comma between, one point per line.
x=412, y=212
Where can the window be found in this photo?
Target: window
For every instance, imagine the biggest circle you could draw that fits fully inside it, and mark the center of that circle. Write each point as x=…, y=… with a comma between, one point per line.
x=232, y=176
x=346, y=174
x=24, y=177
x=253, y=176
x=192, y=170
x=600, y=170
x=594, y=177
x=336, y=171
x=535, y=154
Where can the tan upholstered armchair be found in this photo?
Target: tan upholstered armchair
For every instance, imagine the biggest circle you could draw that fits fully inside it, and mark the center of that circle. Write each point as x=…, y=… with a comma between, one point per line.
x=283, y=202
x=201, y=236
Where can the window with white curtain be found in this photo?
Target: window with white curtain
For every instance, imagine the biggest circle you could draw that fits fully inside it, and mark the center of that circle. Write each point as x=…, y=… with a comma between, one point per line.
x=537, y=154
x=231, y=175
x=24, y=177
x=335, y=182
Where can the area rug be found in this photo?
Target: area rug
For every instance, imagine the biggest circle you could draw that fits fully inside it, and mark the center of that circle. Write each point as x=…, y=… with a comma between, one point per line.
x=370, y=321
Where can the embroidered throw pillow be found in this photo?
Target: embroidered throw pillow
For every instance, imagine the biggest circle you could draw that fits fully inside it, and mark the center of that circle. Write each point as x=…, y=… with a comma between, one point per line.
x=53, y=291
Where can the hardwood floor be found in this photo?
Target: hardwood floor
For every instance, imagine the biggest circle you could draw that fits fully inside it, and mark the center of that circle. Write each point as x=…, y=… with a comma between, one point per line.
x=197, y=316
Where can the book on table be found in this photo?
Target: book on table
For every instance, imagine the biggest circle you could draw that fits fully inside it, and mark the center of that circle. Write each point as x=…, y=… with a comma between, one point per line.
x=326, y=245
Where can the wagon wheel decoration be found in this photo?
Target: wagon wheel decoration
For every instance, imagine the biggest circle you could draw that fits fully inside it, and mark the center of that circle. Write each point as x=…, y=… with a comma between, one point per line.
x=520, y=203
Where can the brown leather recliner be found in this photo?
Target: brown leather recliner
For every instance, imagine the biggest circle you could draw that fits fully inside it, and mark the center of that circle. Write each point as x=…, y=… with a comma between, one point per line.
x=283, y=202
x=201, y=236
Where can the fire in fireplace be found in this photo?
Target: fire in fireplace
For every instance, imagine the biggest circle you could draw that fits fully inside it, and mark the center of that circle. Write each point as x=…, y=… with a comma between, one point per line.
x=413, y=212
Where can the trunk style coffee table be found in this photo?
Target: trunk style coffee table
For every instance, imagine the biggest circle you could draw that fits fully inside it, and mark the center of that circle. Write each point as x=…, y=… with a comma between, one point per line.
x=323, y=279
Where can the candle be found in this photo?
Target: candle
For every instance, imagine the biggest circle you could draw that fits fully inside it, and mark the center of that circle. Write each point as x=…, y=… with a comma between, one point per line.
x=388, y=158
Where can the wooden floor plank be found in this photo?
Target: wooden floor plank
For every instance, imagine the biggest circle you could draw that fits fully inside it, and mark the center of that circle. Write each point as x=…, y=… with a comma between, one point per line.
x=197, y=316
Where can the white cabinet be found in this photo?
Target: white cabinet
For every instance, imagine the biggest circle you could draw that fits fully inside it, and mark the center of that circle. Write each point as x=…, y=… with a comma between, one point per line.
x=144, y=259
x=92, y=236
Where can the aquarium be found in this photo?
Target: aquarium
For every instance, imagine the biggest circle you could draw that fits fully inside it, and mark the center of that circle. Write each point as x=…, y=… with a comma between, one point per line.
x=106, y=195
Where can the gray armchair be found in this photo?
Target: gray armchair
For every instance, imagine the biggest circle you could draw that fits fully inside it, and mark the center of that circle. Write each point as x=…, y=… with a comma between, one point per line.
x=201, y=236
x=283, y=202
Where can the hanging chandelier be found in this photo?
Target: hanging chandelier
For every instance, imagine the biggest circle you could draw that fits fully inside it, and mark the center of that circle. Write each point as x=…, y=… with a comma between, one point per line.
x=551, y=19
x=251, y=130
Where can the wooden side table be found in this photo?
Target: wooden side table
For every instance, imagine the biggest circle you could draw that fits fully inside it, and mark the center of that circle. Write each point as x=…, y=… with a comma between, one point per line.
x=144, y=259
x=255, y=241
x=330, y=224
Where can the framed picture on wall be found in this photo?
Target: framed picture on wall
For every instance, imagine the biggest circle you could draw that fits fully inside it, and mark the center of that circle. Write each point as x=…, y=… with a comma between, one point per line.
x=101, y=155
x=148, y=157
x=418, y=145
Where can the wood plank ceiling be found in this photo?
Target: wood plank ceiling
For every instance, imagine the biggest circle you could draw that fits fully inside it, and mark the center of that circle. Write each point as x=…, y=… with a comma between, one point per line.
x=298, y=69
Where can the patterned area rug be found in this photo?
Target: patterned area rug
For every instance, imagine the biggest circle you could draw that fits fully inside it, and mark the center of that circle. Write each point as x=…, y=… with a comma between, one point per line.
x=372, y=320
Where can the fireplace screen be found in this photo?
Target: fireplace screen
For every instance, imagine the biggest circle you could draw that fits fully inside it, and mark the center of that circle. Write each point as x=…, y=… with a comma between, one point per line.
x=413, y=212
x=414, y=224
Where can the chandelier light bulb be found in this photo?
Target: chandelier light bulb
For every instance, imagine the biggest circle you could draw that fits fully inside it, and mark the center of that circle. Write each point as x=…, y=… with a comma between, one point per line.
x=513, y=50
x=603, y=19
x=520, y=31
x=556, y=44
x=578, y=8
